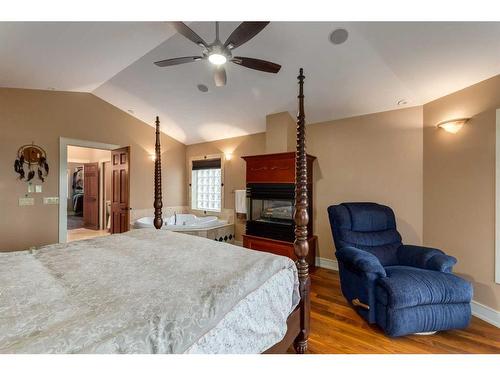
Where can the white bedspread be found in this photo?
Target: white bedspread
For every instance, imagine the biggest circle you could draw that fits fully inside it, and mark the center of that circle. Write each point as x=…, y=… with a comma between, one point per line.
x=144, y=291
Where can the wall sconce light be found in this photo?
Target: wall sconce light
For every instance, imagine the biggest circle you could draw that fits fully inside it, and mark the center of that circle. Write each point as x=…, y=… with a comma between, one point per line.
x=152, y=157
x=453, y=126
x=228, y=155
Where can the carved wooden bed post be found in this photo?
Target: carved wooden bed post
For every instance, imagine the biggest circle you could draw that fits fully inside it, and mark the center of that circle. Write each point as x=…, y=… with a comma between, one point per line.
x=301, y=218
x=158, y=204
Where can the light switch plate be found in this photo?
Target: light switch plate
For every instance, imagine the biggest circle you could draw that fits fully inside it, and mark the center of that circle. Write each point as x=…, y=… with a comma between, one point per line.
x=51, y=200
x=38, y=188
x=31, y=188
x=26, y=201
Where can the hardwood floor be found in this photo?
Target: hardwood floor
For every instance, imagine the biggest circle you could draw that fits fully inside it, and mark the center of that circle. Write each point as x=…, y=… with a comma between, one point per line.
x=84, y=234
x=336, y=328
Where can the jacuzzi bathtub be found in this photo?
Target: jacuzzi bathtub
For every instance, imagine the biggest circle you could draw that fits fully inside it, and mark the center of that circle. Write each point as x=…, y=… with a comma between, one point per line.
x=182, y=222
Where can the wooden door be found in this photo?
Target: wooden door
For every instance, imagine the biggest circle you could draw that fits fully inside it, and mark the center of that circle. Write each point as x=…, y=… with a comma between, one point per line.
x=91, y=195
x=120, y=197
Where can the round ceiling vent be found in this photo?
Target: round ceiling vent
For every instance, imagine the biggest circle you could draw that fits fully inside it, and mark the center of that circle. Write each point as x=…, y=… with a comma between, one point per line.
x=339, y=36
x=202, y=88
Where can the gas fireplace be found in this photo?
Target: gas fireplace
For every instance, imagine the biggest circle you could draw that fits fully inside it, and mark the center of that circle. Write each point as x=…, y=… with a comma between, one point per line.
x=270, y=187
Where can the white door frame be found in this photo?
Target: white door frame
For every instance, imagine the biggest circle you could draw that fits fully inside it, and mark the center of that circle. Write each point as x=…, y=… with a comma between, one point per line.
x=63, y=177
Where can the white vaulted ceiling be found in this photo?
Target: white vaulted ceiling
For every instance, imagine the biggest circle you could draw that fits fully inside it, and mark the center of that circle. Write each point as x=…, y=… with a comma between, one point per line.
x=72, y=56
x=379, y=64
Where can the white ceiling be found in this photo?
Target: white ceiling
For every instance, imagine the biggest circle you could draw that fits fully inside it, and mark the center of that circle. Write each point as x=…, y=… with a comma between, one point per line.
x=379, y=64
x=72, y=56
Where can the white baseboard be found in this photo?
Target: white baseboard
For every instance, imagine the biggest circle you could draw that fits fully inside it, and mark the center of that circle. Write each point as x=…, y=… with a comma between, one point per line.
x=329, y=264
x=485, y=313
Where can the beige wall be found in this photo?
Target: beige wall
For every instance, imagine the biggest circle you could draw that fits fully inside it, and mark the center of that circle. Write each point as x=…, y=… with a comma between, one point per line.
x=43, y=117
x=280, y=133
x=87, y=155
x=374, y=158
x=459, y=184
x=234, y=169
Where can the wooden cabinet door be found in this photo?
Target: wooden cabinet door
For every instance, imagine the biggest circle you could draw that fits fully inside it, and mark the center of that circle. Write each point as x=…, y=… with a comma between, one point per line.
x=280, y=247
x=268, y=245
x=120, y=195
x=91, y=195
x=278, y=168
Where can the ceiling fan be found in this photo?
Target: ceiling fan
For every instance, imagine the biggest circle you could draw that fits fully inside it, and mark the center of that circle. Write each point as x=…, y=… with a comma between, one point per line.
x=219, y=53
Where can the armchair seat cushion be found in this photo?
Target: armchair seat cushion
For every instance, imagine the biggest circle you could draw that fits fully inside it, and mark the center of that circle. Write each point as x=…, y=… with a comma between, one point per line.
x=408, y=286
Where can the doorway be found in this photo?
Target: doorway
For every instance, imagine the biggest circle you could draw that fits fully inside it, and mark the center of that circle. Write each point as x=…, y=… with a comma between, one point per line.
x=88, y=181
x=88, y=199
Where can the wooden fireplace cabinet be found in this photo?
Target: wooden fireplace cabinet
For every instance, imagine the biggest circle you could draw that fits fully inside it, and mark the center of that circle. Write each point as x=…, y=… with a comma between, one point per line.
x=278, y=170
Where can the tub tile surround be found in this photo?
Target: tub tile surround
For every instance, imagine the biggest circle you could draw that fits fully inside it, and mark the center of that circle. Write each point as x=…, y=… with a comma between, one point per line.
x=224, y=233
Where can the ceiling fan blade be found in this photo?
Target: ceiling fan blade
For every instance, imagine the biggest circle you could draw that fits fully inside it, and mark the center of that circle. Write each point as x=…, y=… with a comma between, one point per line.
x=243, y=33
x=220, y=76
x=184, y=30
x=262, y=65
x=178, y=60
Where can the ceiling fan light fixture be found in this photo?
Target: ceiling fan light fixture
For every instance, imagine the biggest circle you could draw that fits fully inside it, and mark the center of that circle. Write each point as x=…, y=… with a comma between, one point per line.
x=218, y=53
x=217, y=58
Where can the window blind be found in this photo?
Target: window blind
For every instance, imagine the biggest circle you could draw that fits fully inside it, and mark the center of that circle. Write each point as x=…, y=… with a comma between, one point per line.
x=206, y=164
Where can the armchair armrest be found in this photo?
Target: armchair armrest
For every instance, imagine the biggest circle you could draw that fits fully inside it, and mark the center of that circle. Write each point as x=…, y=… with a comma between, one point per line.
x=425, y=257
x=360, y=260
x=442, y=262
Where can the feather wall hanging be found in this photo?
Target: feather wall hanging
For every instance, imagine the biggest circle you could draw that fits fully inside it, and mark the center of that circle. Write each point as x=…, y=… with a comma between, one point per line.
x=35, y=159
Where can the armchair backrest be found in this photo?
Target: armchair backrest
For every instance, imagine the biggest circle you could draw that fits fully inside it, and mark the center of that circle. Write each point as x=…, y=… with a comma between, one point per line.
x=366, y=226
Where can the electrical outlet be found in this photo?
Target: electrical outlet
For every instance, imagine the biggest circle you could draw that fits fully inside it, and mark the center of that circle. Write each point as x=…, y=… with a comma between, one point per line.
x=26, y=201
x=51, y=200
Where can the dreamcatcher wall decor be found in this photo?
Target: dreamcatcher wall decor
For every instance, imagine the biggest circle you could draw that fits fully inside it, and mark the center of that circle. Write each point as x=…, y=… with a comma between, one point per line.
x=35, y=159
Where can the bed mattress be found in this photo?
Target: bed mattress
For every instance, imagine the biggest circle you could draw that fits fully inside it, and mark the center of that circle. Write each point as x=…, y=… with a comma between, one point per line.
x=144, y=291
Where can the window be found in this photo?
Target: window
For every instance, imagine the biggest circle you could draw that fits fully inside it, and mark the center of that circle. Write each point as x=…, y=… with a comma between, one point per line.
x=206, y=185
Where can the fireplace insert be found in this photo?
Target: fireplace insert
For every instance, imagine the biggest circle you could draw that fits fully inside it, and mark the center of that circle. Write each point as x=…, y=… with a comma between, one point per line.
x=270, y=209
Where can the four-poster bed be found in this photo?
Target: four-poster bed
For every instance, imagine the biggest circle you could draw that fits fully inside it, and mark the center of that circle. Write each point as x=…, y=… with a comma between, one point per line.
x=298, y=321
x=157, y=291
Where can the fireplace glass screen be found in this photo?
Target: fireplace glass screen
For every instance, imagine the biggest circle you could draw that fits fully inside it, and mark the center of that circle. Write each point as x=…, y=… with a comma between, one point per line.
x=272, y=210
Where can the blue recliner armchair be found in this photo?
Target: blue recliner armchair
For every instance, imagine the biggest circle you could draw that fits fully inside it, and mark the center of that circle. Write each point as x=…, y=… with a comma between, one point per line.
x=405, y=289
